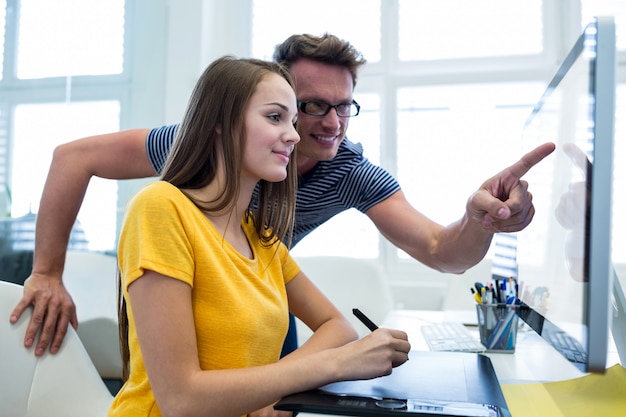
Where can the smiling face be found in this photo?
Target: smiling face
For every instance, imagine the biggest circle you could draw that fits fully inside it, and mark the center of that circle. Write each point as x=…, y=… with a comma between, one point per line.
x=321, y=135
x=270, y=132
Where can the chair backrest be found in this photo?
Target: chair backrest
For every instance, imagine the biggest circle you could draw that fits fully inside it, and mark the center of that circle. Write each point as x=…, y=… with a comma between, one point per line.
x=91, y=280
x=349, y=283
x=458, y=295
x=65, y=384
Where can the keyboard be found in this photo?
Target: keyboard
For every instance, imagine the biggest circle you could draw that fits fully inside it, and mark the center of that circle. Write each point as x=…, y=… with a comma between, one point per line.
x=568, y=346
x=451, y=336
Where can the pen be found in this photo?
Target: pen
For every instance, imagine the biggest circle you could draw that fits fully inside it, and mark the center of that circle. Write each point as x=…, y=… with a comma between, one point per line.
x=476, y=296
x=363, y=318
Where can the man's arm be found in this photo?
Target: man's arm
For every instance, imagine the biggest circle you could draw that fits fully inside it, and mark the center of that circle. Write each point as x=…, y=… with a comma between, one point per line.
x=501, y=204
x=120, y=155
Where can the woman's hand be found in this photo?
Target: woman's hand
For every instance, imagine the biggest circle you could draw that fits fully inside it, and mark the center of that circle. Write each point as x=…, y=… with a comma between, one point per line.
x=374, y=355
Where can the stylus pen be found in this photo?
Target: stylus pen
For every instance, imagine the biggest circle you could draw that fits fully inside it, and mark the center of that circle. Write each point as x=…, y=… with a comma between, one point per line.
x=364, y=319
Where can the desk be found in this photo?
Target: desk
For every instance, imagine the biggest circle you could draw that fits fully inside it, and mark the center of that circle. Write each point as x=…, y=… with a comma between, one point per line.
x=534, y=359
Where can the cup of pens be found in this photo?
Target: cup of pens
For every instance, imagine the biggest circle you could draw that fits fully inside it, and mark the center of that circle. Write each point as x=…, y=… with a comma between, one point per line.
x=497, y=325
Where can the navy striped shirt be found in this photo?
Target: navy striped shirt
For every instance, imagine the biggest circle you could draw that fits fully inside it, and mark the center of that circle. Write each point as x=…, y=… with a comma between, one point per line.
x=349, y=180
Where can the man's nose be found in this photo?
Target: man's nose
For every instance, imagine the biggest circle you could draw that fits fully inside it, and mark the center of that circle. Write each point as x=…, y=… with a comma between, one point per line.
x=331, y=120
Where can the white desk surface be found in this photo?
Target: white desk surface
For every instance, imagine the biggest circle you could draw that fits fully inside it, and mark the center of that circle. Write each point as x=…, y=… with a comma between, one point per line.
x=534, y=359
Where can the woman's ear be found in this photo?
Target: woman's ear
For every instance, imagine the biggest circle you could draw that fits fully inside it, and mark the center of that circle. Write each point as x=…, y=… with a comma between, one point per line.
x=218, y=130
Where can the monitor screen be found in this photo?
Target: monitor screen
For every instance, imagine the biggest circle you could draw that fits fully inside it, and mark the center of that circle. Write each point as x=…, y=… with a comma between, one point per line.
x=564, y=268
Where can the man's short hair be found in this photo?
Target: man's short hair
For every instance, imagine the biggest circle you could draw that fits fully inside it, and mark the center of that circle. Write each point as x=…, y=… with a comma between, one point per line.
x=328, y=49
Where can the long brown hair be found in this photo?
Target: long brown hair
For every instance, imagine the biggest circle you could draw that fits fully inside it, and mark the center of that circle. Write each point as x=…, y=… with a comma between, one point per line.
x=218, y=103
x=211, y=135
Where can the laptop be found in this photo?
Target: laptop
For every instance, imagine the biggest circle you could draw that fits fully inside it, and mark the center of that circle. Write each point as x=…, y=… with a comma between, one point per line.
x=430, y=384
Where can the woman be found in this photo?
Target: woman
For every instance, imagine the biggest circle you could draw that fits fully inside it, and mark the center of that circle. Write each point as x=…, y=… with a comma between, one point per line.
x=206, y=280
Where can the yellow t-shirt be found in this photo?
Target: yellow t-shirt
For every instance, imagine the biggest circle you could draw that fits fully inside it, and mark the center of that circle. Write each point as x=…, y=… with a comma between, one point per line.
x=239, y=304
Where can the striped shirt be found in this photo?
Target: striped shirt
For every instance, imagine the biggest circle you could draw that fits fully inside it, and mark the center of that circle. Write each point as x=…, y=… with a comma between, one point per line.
x=347, y=181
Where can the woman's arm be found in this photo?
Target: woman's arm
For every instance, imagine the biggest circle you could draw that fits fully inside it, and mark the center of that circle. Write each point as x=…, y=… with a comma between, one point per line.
x=164, y=319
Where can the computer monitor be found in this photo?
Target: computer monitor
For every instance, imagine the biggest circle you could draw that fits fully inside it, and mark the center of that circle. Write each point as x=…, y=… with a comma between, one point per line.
x=564, y=265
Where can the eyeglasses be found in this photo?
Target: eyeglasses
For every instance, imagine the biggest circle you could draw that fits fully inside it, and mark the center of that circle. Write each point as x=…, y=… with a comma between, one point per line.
x=318, y=108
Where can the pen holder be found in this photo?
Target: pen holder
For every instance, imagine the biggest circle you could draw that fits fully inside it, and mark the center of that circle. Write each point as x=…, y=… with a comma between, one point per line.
x=497, y=325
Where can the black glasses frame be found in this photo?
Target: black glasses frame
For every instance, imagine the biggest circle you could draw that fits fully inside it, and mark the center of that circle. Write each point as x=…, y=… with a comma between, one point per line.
x=302, y=106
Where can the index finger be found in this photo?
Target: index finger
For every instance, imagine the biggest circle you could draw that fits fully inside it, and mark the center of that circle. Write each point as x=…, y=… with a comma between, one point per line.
x=532, y=158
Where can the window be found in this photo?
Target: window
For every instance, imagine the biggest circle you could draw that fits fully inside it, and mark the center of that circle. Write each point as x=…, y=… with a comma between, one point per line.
x=440, y=89
x=64, y=77
x=484, y=28
x=68, y=37
x=451, y=138
x=270, y=27
x=56, y=122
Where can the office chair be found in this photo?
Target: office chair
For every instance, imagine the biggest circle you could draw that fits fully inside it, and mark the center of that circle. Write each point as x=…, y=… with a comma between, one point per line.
x=349, y=283
x=65, y=384
x=458, y=295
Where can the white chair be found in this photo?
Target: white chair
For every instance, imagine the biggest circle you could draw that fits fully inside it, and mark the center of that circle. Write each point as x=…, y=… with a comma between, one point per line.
x=91, y=280
x=458, y=295
x=349, y=283
x=65, y=384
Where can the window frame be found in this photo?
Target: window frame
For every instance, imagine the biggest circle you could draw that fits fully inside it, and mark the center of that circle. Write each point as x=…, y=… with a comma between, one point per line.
x=138, y=89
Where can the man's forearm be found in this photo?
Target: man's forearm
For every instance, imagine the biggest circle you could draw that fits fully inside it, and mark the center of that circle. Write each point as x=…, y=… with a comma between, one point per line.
x=61, y=199
x=117, y=155
x=462, y=245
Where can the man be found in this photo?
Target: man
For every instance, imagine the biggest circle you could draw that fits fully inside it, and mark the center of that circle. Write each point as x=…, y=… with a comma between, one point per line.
x=334, y=176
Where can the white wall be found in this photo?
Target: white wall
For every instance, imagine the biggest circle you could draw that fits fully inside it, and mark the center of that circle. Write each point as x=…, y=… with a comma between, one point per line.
x=198, y=32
